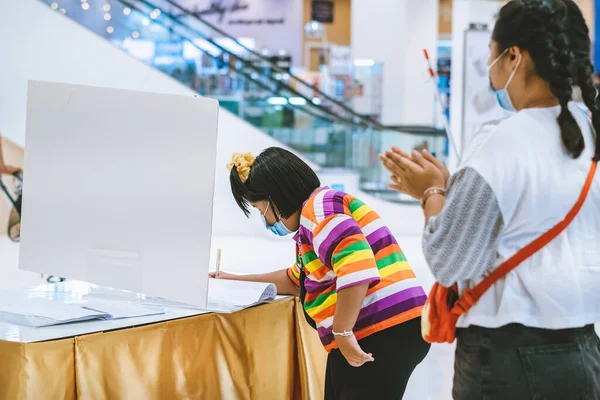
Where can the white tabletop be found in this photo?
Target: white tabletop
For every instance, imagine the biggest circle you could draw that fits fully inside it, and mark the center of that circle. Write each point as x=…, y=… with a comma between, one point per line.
x=76, y=292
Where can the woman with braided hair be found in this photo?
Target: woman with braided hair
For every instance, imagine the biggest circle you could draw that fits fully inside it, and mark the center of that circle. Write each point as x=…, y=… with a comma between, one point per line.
x=531, y=334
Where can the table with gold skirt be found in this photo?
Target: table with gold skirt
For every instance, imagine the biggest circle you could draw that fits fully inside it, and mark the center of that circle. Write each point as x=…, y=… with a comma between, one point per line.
x=266, y=352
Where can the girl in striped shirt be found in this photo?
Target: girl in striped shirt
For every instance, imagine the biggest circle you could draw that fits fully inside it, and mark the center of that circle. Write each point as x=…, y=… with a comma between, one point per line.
x=355, y=284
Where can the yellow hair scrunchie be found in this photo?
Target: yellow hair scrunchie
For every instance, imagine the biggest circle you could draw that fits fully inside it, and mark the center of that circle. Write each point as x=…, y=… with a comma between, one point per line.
x=242, y=162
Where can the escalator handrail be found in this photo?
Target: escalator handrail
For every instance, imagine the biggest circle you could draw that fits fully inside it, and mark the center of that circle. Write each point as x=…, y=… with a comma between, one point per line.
x=247, y=63
x=364, y=122
x=422, y=130
x=274, y=67
x=411, y=129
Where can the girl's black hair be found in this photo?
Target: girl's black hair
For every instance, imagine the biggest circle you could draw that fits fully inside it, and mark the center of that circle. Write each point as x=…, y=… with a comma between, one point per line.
x=556, y=36
x=582, y=68
x=278, y=176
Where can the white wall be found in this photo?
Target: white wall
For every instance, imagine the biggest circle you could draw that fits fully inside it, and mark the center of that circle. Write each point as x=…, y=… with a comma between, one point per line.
x=52, y=47
x=464, y=13
x=395, y=32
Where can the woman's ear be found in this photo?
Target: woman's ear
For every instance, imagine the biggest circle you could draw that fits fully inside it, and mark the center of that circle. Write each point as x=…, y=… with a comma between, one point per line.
x=514, y=53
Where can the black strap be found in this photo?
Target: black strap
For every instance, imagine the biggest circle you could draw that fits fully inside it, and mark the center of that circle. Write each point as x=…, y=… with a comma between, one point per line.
x=7, y=193
x=16, y=201
x=310, y=321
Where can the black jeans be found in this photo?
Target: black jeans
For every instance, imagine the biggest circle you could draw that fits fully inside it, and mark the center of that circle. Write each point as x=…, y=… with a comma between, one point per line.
x=515, y=362
x=397, y=351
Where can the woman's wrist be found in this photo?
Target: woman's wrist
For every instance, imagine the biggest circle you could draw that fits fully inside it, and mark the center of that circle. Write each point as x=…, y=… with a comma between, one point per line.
x=432, y=191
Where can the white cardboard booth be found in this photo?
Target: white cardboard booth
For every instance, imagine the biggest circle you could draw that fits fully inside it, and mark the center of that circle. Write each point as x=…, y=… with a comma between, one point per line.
x=119, y=188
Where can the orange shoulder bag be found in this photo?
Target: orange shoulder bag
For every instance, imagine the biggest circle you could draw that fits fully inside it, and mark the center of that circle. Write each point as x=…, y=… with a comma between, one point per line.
x=443, y=307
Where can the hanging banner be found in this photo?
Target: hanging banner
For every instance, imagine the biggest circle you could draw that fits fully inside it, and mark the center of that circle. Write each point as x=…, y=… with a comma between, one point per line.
x=244, y=12
x=273, y=24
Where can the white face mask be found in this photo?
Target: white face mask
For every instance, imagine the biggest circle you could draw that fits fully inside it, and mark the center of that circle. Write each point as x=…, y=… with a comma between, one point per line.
x=502, y=95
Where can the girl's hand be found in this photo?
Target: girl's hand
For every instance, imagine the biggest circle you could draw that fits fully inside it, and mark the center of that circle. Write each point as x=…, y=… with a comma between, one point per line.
x=352, y=352
x=413, y=173
x=223, y=275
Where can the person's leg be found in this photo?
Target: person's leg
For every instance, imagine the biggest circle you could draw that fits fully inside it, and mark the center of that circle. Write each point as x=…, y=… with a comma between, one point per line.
x=410, y=350
x=486, y=365
x=342, y=380
x=330, y=388
x=521, y=363
x=592, y=362
x=467, y=367
x=397, y=351
x=564, y=364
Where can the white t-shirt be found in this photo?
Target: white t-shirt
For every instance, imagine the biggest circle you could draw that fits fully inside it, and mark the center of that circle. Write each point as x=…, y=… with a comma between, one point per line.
x=536, y=183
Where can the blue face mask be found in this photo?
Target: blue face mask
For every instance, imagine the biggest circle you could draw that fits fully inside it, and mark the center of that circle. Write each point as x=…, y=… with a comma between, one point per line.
x=502, y=95
x=279, y=228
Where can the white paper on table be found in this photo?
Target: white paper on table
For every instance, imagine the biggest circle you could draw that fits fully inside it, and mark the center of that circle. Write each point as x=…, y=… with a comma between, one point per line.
x=160, y=302
x=223, y=296
x=229, y=295
x=38, y=312
x=120, y=309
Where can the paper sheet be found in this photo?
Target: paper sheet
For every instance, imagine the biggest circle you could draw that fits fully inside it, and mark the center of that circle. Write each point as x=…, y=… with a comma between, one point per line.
x=120, y=309
x=226, y=296
x=239, y=293
x=38, y=312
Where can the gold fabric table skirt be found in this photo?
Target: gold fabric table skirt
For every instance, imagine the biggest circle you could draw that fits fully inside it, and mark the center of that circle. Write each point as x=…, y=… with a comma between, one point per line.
x=266, y=352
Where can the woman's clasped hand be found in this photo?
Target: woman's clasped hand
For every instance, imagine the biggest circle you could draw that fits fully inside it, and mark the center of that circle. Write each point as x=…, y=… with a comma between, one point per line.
x=414, y=173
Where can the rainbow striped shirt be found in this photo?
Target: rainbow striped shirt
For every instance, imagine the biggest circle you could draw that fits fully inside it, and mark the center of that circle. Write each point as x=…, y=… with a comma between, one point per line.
x=342, y=242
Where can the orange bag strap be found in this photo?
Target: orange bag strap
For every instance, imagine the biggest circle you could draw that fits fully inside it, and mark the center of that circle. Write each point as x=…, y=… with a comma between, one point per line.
x=470, y=296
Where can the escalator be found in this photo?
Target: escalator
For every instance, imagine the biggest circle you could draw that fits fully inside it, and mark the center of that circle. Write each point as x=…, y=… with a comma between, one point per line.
x=249, y=84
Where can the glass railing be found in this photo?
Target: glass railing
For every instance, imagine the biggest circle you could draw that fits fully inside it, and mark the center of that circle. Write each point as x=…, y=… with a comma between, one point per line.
x=325, y=129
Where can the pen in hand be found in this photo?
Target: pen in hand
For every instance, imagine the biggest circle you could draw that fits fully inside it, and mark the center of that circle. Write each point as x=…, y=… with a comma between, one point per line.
x=218, y=263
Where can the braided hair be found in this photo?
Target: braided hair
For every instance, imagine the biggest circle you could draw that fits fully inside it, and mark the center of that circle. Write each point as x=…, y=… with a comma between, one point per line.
x=582, y=68
x=545, y=28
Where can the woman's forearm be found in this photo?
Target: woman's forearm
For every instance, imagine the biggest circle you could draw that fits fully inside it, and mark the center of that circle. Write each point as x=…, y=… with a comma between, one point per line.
x=280, y=278
x=348, y=305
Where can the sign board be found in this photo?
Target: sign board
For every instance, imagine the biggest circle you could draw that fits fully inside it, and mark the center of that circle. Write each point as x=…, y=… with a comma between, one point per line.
x=273, y=24
x=340, y=60
x=119, y=188
x=322, y=11
x=242, y=12
x=479, y=105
